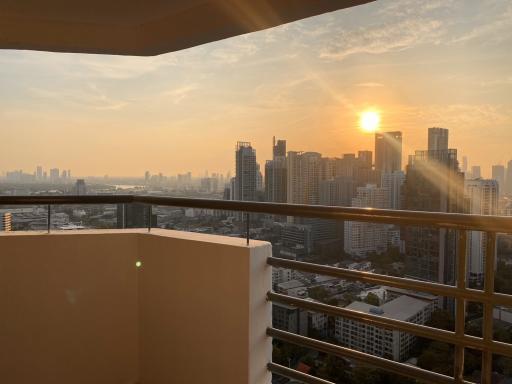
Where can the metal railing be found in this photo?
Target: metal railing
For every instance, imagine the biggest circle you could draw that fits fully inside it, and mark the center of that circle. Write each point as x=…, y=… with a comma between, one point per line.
x=491, y=225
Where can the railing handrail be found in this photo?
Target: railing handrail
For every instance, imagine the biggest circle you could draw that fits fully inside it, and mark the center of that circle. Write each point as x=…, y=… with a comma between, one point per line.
x=461, y=221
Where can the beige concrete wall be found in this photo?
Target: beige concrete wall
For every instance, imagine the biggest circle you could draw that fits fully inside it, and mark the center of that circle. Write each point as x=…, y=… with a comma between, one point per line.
x=75, y=309
x=203, y=312
x=68, y=308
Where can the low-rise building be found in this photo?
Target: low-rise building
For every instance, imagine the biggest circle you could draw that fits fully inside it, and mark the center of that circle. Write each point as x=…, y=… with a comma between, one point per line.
x=390, y=344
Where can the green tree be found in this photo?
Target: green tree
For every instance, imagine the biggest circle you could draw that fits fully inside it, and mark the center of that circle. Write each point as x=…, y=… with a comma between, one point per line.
x=372, y=299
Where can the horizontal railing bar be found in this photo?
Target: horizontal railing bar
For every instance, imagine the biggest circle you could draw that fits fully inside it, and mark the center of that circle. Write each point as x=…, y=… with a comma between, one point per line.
x=296, y=375
x=407, y=218
x=375, y=361
x=397, y=282
x=437, y=334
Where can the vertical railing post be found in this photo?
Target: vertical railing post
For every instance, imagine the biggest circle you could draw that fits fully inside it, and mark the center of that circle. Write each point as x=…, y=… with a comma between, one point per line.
x=49, y=218
x=487, y=326
x=124, y=216
x=460, y=307
x=247, y=227
x=150, y=211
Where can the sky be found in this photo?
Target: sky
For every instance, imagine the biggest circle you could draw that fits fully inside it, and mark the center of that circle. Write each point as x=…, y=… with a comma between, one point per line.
x=444, y=63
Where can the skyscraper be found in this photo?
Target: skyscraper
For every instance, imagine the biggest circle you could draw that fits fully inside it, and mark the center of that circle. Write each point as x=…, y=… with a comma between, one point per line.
x=388, y=151
x=498, y=174
x=508, y=179
x=437, y=139
x=366, y=157
x=433, y=183
x=278, y=148
x=363, y=237
x=54, y=175
x=392, y=184
x=275, y=173
x=39, y=173
x=303, y=177
x=476, y=172
x=80, y=187
x=246, y=172
x=483, y=200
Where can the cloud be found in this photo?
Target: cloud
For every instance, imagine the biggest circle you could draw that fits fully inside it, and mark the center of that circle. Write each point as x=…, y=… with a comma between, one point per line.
x=383, y=38
x=177, y=95
x=369, y=85
x=90, y=96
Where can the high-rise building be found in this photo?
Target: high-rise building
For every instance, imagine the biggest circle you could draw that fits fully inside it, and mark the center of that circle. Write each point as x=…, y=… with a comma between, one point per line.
x=498, y=174
x=433, y=183
x=5, y=221
x=338, y=191
x=54, y=175
x=80, y=187
x=246, y=172
x=278, y=148
x=366, y=157
x=437, y=139
x=392, y=183
x=388, y=151
x=476, y=172
x=39, y=173
x=482, y=197
x=275, y=180
x=303, y=176
x=508, y=179
x=464, y=167
x=364, y=237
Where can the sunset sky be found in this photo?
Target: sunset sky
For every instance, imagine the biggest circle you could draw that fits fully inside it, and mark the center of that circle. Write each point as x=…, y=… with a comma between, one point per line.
x=444, y=63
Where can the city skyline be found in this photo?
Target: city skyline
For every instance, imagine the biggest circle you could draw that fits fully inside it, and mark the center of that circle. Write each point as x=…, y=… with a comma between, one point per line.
x=440, y=64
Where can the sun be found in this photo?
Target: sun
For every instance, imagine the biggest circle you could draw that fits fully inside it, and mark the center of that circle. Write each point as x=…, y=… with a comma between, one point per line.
x=369, y=121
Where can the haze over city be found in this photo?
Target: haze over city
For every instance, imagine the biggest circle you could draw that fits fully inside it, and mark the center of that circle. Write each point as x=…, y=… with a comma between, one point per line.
x=442, y=63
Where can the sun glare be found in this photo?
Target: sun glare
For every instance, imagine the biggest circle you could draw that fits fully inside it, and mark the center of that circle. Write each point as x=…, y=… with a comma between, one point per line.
x=369, y=121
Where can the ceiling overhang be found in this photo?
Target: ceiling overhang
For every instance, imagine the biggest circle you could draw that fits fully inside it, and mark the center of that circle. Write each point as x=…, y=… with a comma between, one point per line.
x=144, y=27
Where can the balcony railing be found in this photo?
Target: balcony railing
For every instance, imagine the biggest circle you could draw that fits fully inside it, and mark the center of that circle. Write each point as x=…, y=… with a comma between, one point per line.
x=491, y=225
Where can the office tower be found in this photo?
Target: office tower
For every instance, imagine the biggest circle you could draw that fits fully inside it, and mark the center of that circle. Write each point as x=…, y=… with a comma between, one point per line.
x=80, y=187
x=278, y=148
x=259, y=178
x=39, y=173
x=437, y=139
x=392, y=184
x=508, y=179
x=275, y=180
x=388, y=151
x=338, y=191
x=464, y=164
x=366, y=157
x=303, y=177
x=476, y=172
x=362, y=238
x=54, y=175
x=327, y=168
x=246, y=172
x=482, y=197
x=69, y=174
x=147, y=177
x=433, y=183
x=498, y=174
x=5, y=221
x=64, y=175
x=134, y=215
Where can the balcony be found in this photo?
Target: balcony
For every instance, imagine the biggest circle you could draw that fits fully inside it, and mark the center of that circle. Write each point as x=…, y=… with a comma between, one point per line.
x=160, y=306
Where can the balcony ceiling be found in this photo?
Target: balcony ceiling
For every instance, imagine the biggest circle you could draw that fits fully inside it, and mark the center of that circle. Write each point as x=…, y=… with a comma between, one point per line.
x=144, y=28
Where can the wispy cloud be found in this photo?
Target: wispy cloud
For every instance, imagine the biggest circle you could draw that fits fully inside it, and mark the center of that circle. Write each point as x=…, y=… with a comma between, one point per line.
x=369, y=85
x=178, y=94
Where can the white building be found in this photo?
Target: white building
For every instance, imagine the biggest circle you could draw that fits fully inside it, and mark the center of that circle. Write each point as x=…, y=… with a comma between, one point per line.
x=362, y=237
x=483, y=198
x=390, y=344
x=392, y=183
x=282, y=275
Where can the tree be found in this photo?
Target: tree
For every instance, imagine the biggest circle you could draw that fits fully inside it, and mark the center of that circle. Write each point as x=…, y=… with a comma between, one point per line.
x=372, y=299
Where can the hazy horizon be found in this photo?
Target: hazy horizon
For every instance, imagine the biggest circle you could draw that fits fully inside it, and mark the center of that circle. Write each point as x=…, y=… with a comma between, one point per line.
x=421, y=64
